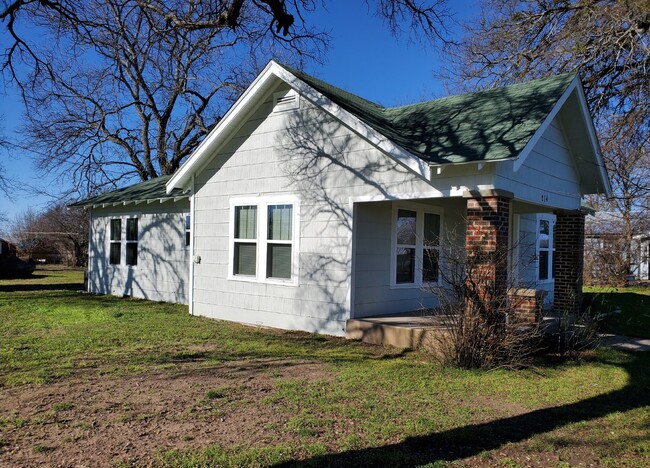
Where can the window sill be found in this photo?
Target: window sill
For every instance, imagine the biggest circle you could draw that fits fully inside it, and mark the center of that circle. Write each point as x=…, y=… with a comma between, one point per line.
x=253, y=279
x=546, y=281
x=405, y=286
x=413, y=285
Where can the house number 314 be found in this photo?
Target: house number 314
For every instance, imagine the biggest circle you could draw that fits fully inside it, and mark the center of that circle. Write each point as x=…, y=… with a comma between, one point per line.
x=545, y=198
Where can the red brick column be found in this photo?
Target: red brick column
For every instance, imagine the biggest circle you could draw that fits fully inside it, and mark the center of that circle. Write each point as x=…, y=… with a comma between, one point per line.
x=569, y=259
x=488, y=214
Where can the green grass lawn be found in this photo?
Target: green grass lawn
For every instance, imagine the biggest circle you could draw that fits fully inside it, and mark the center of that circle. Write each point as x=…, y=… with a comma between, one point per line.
x=627, y=310
x=367, y=405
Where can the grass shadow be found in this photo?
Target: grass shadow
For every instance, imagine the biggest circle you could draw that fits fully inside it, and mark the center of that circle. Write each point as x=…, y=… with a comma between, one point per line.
x=471, y=440
x=8, y=288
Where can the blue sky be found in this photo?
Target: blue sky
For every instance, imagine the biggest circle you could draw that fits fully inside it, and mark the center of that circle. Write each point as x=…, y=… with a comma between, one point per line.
x=364, y=58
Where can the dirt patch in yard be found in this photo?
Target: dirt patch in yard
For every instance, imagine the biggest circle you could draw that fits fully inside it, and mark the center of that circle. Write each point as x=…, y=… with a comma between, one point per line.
x=103, y=420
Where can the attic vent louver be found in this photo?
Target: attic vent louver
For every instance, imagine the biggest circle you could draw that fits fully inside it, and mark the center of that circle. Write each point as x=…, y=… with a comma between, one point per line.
x=284, y=101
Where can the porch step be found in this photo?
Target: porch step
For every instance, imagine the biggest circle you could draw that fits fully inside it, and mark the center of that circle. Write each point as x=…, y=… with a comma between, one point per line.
x=401, y=331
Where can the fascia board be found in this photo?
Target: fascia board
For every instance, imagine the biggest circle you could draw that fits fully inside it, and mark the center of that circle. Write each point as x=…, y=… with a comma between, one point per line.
x=593, y=139
x=183, y=176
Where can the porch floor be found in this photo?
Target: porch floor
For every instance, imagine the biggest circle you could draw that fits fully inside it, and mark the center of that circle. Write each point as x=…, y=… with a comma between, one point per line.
x=404, y=330
x=409, y=329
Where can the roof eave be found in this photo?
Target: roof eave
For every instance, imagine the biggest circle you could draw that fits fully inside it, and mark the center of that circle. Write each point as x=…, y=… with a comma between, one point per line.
x=105, y=204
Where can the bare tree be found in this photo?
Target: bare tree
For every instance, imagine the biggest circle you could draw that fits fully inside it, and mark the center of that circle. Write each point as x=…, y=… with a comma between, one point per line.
x=128, y=88
x=56, y=229
x=21, y=230
x=4, y=180
x=607, y=41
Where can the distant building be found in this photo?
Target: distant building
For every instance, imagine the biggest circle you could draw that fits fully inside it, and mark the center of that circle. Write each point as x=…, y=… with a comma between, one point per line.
x=7, y=249
x=605, y=261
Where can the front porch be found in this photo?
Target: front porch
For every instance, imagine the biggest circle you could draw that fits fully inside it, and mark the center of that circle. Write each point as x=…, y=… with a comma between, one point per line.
x=412, y=330
x=529, y=253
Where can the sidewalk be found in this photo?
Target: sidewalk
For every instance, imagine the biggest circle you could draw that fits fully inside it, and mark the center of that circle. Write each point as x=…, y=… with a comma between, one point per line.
x=626, y=343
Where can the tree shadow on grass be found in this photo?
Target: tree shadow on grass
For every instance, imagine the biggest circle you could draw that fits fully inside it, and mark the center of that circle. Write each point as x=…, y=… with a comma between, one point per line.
x=8, y=288
x=471, y=440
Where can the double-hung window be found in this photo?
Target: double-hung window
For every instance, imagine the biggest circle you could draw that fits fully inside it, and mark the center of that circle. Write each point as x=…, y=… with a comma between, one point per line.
x=132, y=241
x=127, y=238
x=264, y=246
x=279, y=245
x=245, y=260
x=115, y=254
x=545, y=247
x=416, y=246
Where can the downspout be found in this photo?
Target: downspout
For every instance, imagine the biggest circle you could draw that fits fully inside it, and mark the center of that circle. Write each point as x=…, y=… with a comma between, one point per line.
x=192, y=228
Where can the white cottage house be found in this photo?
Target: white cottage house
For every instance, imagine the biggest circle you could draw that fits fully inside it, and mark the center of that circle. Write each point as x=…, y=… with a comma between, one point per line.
x=292, y=211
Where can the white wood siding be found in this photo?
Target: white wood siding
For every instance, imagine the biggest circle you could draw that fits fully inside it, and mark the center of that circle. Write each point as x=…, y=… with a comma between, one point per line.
x=162, y=271
x=308, y=154
x=547, y=177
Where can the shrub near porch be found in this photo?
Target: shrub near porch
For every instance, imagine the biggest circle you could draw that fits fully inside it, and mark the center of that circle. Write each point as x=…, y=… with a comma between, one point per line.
x=144, y=383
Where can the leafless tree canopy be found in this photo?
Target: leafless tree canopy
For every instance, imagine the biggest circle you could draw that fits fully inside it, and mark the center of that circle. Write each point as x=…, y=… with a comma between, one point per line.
x=128, y=88
x=56, y=231
x=607, y=41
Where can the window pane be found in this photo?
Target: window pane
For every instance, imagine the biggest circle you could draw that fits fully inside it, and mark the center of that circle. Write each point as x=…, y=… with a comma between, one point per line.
x=543, y=264
x=245, y=222
x=278, y=261
x=431, y=229
x=116, y=229
x=406, y=227
x=187, y=222
x=430, y=266
x=280, y=222
x=544, y=227
x=553, y=265
x=405, y=265
x=245, y=259
x=132, y=253
x=187, y=238
x=115, y=253
x=132, y=229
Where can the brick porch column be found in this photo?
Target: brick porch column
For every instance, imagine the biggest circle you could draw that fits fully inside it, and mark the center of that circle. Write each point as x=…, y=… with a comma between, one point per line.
x=486, y=240
x=569, y=259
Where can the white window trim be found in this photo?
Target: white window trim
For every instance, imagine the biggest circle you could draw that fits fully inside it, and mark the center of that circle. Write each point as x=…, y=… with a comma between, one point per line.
x=123, y=241
x=420, y=210
x=551, y=251
x=262, y=242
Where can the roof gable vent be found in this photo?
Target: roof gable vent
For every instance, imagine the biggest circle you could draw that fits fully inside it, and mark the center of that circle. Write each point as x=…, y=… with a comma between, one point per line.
x=283, y=101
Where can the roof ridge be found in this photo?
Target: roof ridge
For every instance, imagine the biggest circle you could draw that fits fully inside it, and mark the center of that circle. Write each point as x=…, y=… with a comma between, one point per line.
x=486, y=90
x=298, y=74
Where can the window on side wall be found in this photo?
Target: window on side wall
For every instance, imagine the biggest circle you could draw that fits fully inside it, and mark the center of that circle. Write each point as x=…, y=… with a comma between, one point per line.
x=115, y=253
x=245, y=240
x=416, y=246
x=188, y=230
x=132, y=241
x=545, y=247
x=263, y=242
x=279, y=243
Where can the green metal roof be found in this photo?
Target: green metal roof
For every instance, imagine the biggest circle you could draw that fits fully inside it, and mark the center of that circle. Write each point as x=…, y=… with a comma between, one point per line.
x=482, y=126
x=153, y=189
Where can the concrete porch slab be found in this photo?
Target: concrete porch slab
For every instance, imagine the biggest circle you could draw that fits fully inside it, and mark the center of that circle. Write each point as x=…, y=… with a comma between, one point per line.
x=407, y=330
